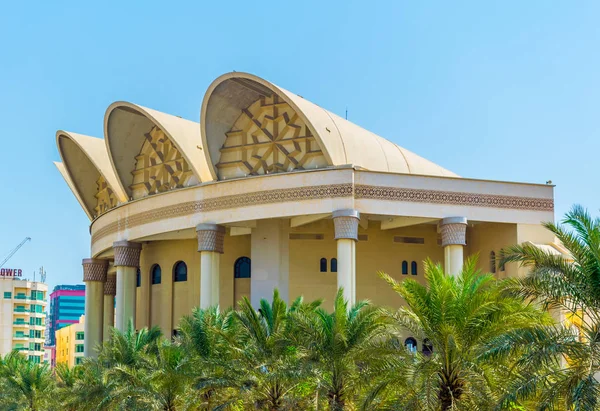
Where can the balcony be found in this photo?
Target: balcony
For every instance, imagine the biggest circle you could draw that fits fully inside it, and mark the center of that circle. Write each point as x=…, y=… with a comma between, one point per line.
x=20, y=337
x=21, y=323
x=23, y=311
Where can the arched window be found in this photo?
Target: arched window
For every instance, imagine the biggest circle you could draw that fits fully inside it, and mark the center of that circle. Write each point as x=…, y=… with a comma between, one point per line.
x=323, y=265
x=404, y=267
x=242, y=268
x=492, y=262
x=180, y=272
x=333, y=265
x=427, y=347
x=155, y=274
x=138, y=278
x=411, y=344
x=413, y=268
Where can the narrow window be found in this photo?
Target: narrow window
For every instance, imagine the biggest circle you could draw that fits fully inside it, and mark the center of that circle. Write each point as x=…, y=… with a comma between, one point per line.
x=413, y=268
x=333, y=265
x=411, y=344
x=404, y=267
x=427, y=347
x=502, y=260
x=493, y=262
x=180, y=272
x=323, y=265
x=155, y=273
x=138, y=278
x=242, y=268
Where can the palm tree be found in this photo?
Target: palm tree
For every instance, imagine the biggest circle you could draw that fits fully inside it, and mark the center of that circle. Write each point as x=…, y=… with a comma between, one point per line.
x=29, y=385
x=458, y=316
x=127, y=347
x=342, y=345
x=563, y=362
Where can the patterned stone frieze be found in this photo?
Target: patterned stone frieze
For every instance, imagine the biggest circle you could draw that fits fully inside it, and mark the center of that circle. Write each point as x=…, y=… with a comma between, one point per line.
x=210, y=237
x=110, y=286
x=94, y=269
x=127, y=254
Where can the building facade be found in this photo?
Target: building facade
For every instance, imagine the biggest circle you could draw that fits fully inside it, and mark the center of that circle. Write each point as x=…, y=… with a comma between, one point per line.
x=70, y=343
x=23, y=317
x=271, y=191
x=67, y=304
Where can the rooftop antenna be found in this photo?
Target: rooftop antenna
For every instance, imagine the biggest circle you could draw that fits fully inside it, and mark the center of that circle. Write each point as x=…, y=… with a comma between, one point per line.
x=346, y=113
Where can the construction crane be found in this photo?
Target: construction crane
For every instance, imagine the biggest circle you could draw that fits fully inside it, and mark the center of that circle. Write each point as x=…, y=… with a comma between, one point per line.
x=14, y=251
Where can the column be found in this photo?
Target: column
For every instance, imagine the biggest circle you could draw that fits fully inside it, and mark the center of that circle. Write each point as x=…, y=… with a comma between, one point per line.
x=453, y=231
x=127, y=261
x=210, y=245
x=110, y=290
x=346, y=234
x=269, y=252
x=94, y=276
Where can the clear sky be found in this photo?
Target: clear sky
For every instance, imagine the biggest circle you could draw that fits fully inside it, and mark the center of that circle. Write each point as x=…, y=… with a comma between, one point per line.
x=496, y=90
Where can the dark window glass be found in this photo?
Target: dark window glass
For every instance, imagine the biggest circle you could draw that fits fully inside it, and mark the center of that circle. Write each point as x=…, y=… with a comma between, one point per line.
x=413, y=268
x=427, y=347
x=155, y=273
x=138, y=278
x=180, y=272
x=411, y=344
x=493, y=262
x=242, y=268
x=404, y=267
x=333, y=265
x=323, y=265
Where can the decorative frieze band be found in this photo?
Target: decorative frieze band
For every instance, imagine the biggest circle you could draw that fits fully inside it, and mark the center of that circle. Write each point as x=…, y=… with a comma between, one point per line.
x=345, y=223
x=110, y=286
x=453, y=231
x=127, y=254
x=94, y=269
x=210, y=237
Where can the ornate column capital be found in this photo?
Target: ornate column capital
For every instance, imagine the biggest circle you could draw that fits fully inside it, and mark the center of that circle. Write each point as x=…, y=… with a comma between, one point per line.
x=94, y=269
x=210, y=237
x=127, y=254
x=110, y=286
x=346, y=224
x=453, y=231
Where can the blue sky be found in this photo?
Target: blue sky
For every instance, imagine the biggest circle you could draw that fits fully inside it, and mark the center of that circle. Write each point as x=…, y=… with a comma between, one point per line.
x=496, y=90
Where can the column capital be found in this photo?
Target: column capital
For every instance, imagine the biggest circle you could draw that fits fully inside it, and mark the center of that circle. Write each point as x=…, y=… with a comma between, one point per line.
x=346, y=224
x=453, y=231
x=94, y=269
x=127, y=254
x=110, y=286
x=210, y=237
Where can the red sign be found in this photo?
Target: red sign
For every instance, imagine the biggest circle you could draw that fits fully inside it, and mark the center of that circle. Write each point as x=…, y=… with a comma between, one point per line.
x=11, y=272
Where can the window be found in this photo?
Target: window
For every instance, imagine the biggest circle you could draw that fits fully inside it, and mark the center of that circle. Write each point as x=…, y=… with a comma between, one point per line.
x=413, y=268
x=411, y=344
x=7, y=294
x=78, y=360
x=180, y=272
x=404, y=267
x=79, y=335
x=242, y=268
x=323, y=265
x=333, y=265
x=427, y=347
x=492, y=262
x=155, y=273
x=138, y=278
x=79, y=348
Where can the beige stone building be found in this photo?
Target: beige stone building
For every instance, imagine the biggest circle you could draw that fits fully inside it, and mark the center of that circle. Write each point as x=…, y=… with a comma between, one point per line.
x=271, y=191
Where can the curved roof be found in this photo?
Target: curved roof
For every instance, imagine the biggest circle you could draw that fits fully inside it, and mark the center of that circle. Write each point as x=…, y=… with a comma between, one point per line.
x=341, y=141
x=125, y=126
x=85, y=159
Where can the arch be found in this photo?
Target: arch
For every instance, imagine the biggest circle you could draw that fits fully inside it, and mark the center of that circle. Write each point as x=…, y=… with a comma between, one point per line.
x=333, y=265
x=411, y=344
x=413, y=268
x=126, y=128
x=341, y=141
x=323, y=265
x=427, y=347
x=492, y=262
x=404, y=267
x=155, y=274
x=180, y=272
x=242, y=268
x=87, y=164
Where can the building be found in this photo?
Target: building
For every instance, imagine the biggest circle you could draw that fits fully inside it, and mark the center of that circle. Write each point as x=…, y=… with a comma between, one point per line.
x=271, y=191
x=22, y=315
x=67, y=304
x=70, y=343
x=50, y=355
